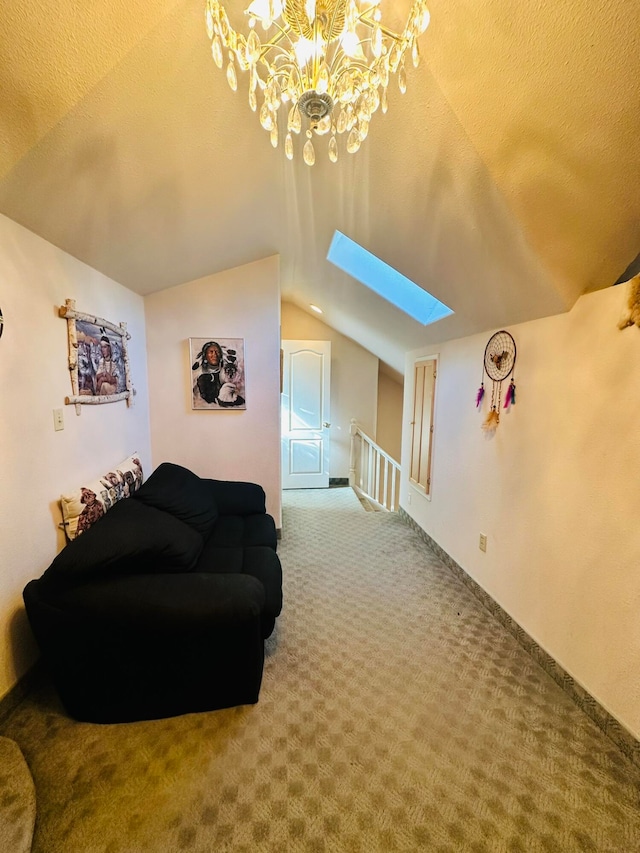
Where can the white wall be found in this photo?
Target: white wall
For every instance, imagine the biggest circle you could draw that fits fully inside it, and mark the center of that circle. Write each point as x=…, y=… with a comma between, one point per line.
x=389, y=421
x=39, y=464
x=354, y=381
x=556, y=490
x=227, y=445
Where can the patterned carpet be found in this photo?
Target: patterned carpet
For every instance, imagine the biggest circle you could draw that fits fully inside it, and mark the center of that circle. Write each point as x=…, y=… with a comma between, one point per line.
x=396, y=715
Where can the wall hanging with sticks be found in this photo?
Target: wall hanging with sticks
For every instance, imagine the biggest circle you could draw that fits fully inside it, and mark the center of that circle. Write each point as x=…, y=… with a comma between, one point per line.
x=499, y=362
x=98, y=358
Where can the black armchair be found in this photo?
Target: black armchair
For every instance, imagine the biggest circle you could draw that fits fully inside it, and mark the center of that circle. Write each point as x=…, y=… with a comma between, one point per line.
x=163, y=605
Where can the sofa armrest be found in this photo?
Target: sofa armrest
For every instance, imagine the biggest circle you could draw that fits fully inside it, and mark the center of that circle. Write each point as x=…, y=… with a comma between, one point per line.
x=149, y=646
x=163, y=604
x=236, y=498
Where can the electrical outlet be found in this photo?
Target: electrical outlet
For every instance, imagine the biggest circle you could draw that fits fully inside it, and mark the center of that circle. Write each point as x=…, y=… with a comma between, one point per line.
x=58, y=419
x=409, y=498
x=482, y=544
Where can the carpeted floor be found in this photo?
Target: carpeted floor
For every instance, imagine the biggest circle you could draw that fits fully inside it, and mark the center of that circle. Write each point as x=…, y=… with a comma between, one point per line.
x=395, y=715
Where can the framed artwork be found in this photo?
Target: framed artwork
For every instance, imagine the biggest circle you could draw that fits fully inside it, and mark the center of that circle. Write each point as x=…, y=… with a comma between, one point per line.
x=98, y=359
x=217, y=373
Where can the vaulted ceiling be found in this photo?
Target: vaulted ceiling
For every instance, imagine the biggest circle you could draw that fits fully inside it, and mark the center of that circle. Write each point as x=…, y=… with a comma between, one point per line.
x=505, y=181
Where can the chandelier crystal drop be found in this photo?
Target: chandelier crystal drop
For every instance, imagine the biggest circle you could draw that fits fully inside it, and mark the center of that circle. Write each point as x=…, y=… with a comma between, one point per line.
x=325, y=63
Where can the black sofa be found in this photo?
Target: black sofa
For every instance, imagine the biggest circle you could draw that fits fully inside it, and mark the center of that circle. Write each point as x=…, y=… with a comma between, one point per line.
x=162, y=606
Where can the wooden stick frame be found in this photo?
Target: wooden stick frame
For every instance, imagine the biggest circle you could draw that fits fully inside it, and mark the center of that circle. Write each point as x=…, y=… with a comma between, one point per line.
x=68, y=312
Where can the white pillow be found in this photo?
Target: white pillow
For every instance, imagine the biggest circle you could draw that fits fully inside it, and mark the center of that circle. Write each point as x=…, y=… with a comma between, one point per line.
x=82, y=507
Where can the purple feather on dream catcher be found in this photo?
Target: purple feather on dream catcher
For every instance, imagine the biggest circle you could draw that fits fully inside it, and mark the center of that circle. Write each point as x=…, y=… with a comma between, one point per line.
x=510, y=396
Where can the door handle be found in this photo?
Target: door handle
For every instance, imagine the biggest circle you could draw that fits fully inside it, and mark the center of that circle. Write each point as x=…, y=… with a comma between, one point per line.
x=325, y=424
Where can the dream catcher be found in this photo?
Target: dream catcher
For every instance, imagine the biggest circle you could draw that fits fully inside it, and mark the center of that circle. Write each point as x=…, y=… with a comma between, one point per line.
x=499, y=362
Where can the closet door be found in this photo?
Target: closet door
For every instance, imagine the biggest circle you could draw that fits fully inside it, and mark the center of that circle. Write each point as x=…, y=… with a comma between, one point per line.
x=422, y=424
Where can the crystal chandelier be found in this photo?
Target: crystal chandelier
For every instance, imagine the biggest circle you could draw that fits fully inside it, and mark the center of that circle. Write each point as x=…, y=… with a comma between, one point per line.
x=325, y=62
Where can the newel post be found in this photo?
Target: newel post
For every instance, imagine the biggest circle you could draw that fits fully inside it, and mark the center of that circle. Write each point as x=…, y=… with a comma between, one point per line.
x=353, y=429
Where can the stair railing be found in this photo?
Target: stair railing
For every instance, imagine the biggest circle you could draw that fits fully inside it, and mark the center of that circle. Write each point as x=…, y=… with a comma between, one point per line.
x=372, y=472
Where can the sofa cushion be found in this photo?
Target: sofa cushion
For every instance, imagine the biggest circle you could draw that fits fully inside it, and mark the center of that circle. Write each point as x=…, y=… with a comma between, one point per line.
x=234, y=497
x=181, y=493
x=219, y=560
x=130, y=538
x=235, y=531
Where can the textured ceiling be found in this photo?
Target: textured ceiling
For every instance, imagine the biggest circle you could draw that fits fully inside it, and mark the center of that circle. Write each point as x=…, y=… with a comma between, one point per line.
x=505, y=181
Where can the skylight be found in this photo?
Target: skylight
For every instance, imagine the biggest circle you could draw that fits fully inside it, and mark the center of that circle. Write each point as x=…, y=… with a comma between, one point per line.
x=385, y=281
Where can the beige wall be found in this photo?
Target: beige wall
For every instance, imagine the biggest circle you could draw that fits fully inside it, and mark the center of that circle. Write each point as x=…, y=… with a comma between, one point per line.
x=228, y=445
x=38, y=463
x=389, y=429
x=556, y=490
x=354, y=381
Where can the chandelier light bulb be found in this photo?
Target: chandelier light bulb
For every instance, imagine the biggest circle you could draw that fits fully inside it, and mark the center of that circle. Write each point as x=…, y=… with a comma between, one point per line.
x=327, y=63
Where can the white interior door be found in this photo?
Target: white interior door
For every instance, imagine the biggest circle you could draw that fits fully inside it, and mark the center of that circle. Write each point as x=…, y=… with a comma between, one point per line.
x=305, y=412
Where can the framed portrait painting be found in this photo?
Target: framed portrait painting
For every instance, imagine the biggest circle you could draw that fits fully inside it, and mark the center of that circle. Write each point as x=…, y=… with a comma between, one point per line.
x=98, y=358
x=217, y=373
